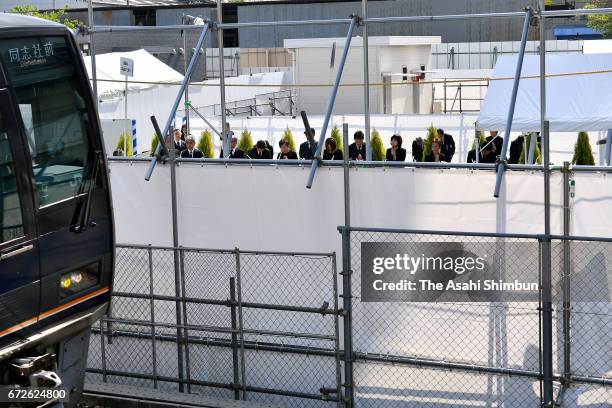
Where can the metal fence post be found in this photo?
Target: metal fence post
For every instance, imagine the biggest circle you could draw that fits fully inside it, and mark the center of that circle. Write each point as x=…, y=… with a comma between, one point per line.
x=185, y=320
x=240, y=323
x=152, y=305
x=566, y=275
x=347, y=306
x=336, y=331
x=102, y=350
x=232, y=282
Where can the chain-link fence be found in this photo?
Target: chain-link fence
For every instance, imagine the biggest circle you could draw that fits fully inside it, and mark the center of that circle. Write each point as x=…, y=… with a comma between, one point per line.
x=233, y=324
x=482, y=351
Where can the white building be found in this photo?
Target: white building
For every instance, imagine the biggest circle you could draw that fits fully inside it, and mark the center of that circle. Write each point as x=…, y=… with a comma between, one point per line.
x=389, y=59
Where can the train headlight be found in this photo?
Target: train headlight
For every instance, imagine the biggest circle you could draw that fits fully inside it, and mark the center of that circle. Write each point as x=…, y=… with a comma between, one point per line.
x=79, y=280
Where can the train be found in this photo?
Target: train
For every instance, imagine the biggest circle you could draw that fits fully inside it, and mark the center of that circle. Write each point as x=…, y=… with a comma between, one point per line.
x=57, y=244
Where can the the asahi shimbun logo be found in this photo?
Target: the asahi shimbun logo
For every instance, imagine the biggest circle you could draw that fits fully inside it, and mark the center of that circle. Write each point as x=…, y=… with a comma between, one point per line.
x=443, y=271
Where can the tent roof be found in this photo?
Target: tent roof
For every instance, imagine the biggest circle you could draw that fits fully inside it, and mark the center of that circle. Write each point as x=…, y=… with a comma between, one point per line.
x=147, y=68
x=573, y=102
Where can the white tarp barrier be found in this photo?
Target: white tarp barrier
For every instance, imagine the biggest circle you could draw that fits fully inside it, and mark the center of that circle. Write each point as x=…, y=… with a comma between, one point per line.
x=269, y=208
x=574, y=103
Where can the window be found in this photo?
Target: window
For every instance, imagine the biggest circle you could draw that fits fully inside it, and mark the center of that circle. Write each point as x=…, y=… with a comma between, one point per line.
x=144, y=17
x=10, y=204
x=52, y=104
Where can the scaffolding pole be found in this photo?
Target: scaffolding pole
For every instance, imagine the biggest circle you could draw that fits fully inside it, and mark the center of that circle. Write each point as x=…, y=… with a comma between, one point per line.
x=332, y=99
x=517, y=79
x=179, y=95
x=92, y=52
x=366, y=80
x=226, y=141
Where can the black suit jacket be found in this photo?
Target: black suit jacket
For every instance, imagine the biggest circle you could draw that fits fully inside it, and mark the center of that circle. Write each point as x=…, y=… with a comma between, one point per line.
x=237, y=154
x=353, y=152
x=447, y=147
x=516, y=148
x=197, y=154
x=430, y=158
x=265, y=154
x=337, y=155
x=307, y=153
x=400, y=155
x=291, y=155
x=180, y=146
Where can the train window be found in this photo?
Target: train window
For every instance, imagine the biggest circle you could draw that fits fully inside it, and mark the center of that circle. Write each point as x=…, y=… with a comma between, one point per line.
x=51, y=99
x=10, y=204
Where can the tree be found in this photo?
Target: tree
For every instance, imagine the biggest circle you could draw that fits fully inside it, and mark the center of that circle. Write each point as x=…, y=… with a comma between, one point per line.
x=483, y=140
x=246, y=143
x=583, y=154
x=288, y=136
x=537, y=155
x=59, y=16
x=377, y=146
x=600, y=22
x=337, y=136
x=128, y=146
x=205, y=144
x=154, y=143
x=431, y=135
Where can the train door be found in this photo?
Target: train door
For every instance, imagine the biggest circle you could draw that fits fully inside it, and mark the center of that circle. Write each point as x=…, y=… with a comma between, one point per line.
x=19, y=263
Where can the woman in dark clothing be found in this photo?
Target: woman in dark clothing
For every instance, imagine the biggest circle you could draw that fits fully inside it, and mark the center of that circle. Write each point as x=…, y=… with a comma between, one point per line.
x=396, y=152
x=331, y=151
x=436, y=154
x=285, y=153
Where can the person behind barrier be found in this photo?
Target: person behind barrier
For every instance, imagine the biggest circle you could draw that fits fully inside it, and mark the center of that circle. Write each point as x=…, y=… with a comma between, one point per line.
x=417, y=149
x=259, y=151
x=183, y=132
x=179, y=143
x=396, y=152
x=516, y=149
x=191, y=152
x=285, y=152
x=357, y=149
x=436, y=154
x=331, y=150
x=309, y=147
x=235, y=153
x=447, y=145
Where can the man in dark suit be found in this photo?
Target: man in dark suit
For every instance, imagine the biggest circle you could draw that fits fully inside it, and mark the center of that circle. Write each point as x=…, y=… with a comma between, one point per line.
x=179, y=144
x=516, y=149
x=260, y=151
x=235, y=153
x=357, y=149
x=309, y=147
x=447, y=143
x=285, y=152
x=191, y=152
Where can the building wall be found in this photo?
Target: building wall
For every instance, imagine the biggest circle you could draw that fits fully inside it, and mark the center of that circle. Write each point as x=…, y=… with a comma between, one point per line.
x=476, y=30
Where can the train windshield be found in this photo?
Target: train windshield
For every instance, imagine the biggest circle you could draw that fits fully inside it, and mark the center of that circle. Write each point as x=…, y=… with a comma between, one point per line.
x=51, y=97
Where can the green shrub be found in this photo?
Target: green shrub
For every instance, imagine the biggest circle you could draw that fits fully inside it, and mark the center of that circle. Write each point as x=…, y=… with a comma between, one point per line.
x=583, y=154
x=128, y=146
x=154, y=143
x=378, y=148
x=483, y=140
x=537, y=155
x=336, y=134
x=431, y=135
x=205, y=144
x=288, y=136
x=246, y=143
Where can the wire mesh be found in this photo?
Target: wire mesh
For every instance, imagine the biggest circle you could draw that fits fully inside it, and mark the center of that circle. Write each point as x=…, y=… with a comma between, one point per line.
x=260, y=326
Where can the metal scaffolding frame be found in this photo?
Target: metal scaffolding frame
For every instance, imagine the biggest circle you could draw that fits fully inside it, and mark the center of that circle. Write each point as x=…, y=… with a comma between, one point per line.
x=528, y=15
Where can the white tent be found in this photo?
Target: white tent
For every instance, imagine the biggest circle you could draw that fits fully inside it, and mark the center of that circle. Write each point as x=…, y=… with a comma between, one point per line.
x=147, y=68
x=573, y=102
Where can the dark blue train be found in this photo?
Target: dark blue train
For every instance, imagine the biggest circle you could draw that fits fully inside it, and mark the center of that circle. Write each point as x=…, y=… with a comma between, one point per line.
x=57, y=237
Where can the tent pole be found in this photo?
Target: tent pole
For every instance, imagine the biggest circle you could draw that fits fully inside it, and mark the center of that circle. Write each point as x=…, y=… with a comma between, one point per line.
x=332, y=99
x=608, y=147
x=517, y=79
x=532, y=144
x=366, y=81
x=179, y=95
x=226, y=142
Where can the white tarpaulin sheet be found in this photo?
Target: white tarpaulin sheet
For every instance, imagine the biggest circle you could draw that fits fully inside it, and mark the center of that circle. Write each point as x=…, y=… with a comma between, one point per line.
x=147, y=68
x=574, y=103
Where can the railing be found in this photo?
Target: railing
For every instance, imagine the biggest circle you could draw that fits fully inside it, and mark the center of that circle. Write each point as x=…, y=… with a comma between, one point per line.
x=280, y=103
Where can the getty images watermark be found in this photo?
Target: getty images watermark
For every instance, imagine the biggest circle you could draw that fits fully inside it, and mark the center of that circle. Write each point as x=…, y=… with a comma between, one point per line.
x=449, y=272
